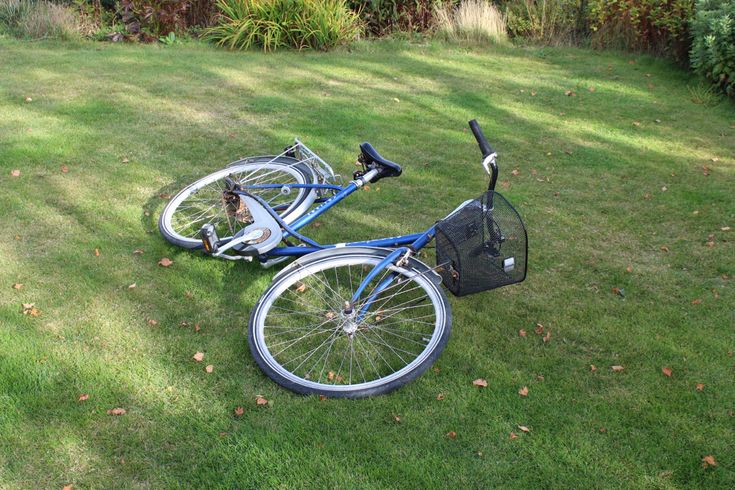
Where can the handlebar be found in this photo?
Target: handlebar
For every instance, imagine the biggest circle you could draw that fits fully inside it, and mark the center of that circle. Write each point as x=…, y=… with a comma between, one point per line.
x=488, y=154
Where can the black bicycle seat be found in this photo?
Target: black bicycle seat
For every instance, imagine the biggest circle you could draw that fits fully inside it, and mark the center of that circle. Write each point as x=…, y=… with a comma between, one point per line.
x=372, y=157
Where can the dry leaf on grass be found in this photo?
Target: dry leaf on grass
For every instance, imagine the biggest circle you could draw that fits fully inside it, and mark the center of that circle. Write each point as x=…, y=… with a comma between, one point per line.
x=322, y=398
x=30, y=309
x=479, y=382
x=539, y=329
x=15, y=173
x=83, y=397
x=664, y=248
x=239, y=411
x=513, y=435
x=132, y=286
x=523, y=391
x=617, y=368
x=397, y=419
x=259, y=400
x=209, y=368
x=152, y=322
x=300, y=288
x=64, y=169
x=451, y=434
x=96, y=252
x=198, y=357
x=440, y=396
x=667, y=371
x=522, y=333
x=696, y=301
x=547, y=337
x=700, y=387
x=17, y=285
x=515, y=172
x=138, y=251
x=708, y=461
x=523, y=428
x=629, y=268
x=593, y=368
x=117, y=411
x=165, y=262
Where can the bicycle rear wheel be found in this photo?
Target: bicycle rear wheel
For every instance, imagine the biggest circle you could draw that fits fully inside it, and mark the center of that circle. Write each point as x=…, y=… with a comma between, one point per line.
x=202, y=202
x=301, y=336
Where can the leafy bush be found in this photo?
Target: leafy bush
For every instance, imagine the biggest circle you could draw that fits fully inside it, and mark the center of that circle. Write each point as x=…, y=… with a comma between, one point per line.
x=713, y=45
x=657, y=26
x=38, y=19
x=546, y=21
x=273, y=24
x=154, y=18
x=471, y=20
x=385, y=16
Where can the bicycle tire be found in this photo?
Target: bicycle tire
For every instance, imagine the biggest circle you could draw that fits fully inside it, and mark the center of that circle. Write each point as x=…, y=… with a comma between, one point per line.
x=189, y=238
x=431, y=336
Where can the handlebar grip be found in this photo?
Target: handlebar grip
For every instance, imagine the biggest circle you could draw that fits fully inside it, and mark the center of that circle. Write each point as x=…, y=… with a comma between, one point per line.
x=485, y=147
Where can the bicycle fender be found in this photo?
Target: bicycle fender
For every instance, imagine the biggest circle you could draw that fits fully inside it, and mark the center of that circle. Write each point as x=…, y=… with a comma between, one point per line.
x=413, y=263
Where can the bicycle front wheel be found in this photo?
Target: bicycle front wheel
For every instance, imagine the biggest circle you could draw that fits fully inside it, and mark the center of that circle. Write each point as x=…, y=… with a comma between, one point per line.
x=204, y=202
x=303, y=337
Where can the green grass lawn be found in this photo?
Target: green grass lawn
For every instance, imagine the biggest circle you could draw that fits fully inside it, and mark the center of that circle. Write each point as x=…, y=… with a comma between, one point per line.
x=624, y=183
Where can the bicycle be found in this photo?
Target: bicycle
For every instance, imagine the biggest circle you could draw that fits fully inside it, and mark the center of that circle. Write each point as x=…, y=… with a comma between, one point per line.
x=346, y=319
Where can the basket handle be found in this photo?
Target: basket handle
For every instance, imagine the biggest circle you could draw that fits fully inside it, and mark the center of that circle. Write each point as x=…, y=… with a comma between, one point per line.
x=488, y=154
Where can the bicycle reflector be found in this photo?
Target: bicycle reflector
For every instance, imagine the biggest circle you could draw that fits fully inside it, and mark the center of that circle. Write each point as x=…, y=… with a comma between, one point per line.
x=209, y=238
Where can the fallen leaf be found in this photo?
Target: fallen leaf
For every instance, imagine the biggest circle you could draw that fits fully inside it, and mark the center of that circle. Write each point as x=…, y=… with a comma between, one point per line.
x=636, y=123
x=522, y=333
x=83, y=397
x=539, y=329
x=198, y=357
x=710, y=244
x=540, y=377
x=68, y=487
x=523, y=391
x=570, y=93
x=715, y=293
x=397, y=419
x=96, y=252
x=116, y=411
x=647, y=196
x=440, y=396
x=316, y=224
x=696, y=301
x=396, y=99
x=197, y=327
x=164, y=196
x=322, y=398
x=189, y=294
x=523, y=428
x=602, y=430
x=17, y=285
x=505, y=184
x=617, y=368
x=667, y=371
x=330, y=376
x=259, y=400
x=664, y=248
x=700, y=387
x=515, y=172
x=591, y=89
x=133, y=286
x=451, y=434
x=165, y=262
x=664, y=189
x=705, y=170
x=125, y=160
x=28, y=99
x=64, y=169
x=300, y=288
x=30, y=309
x=533, y=93
x=209, y=368
x=593, y=368
x=437, y=370
x=239, y=411
x=533, y=172
x=547, y=337
x=629, y=268
x=620, y=292
x=708, y=461
x=513, y=436
x=725, y=228
x=479, y=382
x=138, y=251
x=152, y=322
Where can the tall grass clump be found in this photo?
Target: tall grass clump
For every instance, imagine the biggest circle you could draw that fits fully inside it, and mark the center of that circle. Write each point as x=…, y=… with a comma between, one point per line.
x=274, y=24
x=551, y=22
x=474, y=21
x=38, y=19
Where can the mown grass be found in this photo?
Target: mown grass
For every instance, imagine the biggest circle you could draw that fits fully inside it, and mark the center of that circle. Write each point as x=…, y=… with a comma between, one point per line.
x=134, y=122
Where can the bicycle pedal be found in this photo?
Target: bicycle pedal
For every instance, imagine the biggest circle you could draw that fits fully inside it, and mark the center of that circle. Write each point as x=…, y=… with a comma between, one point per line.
x=209, y=238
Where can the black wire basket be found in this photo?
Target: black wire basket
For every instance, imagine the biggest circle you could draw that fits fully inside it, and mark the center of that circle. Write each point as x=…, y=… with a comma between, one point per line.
x=482, y=246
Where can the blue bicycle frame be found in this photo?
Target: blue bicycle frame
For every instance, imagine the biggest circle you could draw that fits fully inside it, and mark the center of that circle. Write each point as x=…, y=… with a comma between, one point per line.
x=403, y=244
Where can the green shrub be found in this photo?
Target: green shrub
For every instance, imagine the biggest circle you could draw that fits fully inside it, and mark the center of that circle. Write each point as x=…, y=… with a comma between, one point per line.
x=713, y=45
x=385, y=16
x=657, y=26
x=273, y=24
x=474, y=21
x=544, y=21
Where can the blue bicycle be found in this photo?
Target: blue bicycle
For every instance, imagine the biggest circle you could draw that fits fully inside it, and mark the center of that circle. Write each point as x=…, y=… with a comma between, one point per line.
x=347, y=319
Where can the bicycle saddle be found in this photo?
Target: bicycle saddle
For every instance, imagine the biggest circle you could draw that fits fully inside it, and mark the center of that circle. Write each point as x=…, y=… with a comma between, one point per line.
x=371, y=157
